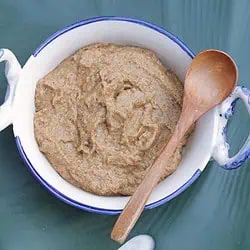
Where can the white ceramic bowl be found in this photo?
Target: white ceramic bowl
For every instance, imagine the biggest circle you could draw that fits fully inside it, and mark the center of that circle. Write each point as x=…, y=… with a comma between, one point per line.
x=208, y=139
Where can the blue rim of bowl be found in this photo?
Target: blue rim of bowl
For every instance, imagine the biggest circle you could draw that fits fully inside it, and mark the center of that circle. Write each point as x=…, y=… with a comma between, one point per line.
x=88, y=208
x=114, y=18
x=57, y=193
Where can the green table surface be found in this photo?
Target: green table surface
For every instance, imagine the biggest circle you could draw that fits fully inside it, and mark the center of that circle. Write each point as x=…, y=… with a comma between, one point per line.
x=214, y=213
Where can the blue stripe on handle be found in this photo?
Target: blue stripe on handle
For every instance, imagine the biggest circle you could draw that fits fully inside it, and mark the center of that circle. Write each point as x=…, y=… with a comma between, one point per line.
x=1, y=53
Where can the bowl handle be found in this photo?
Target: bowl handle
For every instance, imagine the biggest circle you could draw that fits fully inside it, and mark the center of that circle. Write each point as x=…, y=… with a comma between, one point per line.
x=226, y=109
x=12, y=73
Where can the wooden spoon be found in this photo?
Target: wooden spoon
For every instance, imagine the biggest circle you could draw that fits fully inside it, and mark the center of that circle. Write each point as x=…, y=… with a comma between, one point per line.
x=211, y=77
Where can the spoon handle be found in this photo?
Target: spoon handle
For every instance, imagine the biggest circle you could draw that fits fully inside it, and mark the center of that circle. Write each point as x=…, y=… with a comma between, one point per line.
x=135, y=206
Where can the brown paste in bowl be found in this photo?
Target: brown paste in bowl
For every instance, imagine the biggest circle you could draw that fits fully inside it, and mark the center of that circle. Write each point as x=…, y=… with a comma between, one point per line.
x=104, y=114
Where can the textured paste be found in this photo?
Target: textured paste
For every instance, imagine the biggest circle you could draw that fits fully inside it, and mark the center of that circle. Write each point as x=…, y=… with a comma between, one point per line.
x=104, y=114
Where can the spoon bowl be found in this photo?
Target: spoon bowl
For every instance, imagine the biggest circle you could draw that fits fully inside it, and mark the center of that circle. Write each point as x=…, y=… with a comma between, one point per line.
x=211, y=77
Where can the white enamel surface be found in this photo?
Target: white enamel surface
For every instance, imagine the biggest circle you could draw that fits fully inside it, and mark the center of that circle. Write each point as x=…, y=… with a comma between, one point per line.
x=198, y=150
x=12, y=73
x=221, y=149
x=141, y=242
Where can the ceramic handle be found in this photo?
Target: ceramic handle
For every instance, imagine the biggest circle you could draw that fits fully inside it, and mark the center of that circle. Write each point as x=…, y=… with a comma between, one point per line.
x=221, y=149
x=12, y=73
